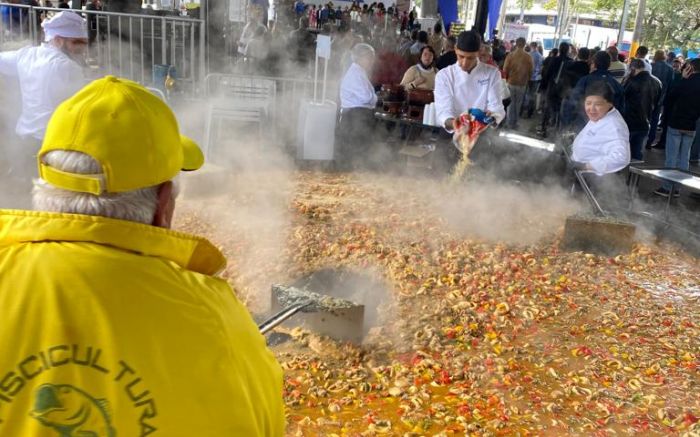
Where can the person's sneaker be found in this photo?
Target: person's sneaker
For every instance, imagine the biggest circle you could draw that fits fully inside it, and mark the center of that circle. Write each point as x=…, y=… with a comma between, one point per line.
x=662, y=192
x=658, y=146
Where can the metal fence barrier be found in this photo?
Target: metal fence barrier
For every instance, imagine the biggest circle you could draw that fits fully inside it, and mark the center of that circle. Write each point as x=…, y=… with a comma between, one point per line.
x=140, y=47
x=284, y=102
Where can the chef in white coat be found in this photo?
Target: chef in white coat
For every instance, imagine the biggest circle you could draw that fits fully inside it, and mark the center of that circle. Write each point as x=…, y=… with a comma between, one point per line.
x=603, y=145
x=47, y=75
x=467, y=84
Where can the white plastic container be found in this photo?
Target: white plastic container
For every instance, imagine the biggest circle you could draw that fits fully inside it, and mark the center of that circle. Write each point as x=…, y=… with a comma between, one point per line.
x=316, y=131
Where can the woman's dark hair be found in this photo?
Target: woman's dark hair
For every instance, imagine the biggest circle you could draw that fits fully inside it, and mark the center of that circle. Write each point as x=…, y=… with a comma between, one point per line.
x=553, y=53
x=602, y=89
x=420, y=55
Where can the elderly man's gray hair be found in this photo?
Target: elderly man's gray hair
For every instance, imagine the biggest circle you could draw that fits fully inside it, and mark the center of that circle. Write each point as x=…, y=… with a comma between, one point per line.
x=361, y=50
x=137, y=206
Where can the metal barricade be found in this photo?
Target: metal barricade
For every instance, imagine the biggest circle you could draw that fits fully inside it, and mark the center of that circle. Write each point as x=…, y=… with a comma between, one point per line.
x=125, y=45
x=18, y=25
x=286, y=100
x=289, y=93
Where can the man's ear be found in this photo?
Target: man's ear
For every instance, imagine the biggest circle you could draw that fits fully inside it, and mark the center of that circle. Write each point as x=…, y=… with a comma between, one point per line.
x=165, y=206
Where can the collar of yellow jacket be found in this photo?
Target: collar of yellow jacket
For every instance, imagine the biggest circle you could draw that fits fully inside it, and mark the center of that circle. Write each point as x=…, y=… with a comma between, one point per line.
x=190, y=252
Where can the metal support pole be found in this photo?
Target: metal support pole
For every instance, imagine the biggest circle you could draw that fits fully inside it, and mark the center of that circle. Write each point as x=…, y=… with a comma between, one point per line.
x=482, y=14
x=163, y=41
x=325, y=81
x=316, y=80
x=638, y=27
x=522, y=11
x=623, y=24
x=202, y=51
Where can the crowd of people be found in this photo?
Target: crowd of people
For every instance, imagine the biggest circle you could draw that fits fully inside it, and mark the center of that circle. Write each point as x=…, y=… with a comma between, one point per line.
x=645, y=95
x=86, y=268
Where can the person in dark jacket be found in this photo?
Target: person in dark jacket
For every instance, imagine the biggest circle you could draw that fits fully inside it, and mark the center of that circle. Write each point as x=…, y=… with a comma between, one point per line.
x=642, y=93
x=577, y=69
x=573, y=115
x=664, y=72
x=676, y=65
x=550, y=83
x=449, y=57
x=685, y=111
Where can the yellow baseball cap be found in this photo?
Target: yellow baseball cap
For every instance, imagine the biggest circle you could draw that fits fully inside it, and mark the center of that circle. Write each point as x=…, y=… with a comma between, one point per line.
x=132, y=134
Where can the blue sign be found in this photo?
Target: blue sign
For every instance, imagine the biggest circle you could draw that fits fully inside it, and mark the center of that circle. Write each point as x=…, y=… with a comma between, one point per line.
x=448, y=11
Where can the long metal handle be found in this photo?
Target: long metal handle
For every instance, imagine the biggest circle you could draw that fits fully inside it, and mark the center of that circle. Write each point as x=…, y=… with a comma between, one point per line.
x=589, y=194
x=280, y=317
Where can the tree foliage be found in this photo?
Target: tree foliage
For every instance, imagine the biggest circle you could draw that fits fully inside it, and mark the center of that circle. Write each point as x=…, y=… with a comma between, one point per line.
x=667, y=23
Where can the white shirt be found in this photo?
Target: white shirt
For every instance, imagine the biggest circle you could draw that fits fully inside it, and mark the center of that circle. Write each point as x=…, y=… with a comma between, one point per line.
x=604, y=144
x=356, y=91
x=457, y=91
x=47, y=77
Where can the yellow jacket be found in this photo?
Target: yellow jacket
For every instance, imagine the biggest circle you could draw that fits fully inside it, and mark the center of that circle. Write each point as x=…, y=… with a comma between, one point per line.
x=112, y=328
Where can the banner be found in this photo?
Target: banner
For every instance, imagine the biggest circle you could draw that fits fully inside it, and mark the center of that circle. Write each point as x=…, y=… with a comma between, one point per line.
x=448, y=11
x=494, y=13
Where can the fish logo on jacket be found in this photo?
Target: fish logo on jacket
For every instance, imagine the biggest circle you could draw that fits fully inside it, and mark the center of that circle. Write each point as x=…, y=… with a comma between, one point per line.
x=71, y=411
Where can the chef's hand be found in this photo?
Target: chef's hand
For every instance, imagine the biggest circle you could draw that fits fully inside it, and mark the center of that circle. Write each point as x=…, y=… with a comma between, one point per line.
x=450, y=124
x=490, y=114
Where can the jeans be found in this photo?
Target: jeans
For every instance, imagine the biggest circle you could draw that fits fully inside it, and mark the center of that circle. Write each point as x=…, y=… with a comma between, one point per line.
x=530, y=103
x=517, y=95
x=637, y=142
x=678, y=150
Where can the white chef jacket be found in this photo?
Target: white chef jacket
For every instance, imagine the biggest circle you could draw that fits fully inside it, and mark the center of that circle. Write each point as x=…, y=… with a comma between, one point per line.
x=47, y=77
x=604, y=144
x=457, y=91
x=356, y=91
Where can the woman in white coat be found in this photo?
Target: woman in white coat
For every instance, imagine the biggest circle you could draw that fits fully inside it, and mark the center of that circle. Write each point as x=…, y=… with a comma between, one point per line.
x=603, y=146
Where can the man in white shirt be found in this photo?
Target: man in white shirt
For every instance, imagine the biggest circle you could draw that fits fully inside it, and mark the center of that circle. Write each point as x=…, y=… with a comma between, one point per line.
x=47, y=75
x=357, y=102
x=467, y=84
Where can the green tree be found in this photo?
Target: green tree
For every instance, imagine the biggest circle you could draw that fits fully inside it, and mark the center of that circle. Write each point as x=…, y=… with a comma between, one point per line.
x=667, y=23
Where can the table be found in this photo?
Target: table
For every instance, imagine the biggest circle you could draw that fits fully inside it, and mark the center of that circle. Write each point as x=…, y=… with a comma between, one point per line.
x=412, y=125
x=413, y=154
x=678, y=178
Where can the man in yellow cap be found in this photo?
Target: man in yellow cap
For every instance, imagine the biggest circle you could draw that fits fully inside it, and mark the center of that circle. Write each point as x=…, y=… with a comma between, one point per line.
x=112, y=324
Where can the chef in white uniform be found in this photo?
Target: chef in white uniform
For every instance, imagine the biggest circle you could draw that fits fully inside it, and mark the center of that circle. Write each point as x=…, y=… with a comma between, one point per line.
x=467, y=84
x=47, y=75
x=603, y=145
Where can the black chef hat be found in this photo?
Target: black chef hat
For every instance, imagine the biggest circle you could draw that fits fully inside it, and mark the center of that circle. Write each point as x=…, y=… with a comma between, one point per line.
x=468, y=41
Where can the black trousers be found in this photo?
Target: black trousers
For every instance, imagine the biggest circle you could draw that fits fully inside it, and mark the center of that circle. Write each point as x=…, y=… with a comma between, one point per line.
x=355, y=136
